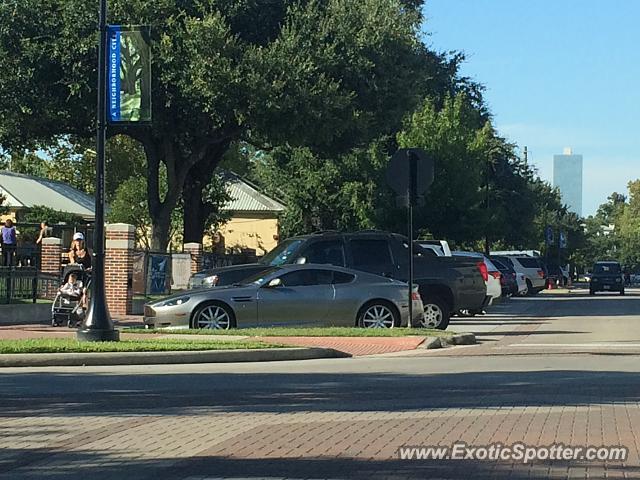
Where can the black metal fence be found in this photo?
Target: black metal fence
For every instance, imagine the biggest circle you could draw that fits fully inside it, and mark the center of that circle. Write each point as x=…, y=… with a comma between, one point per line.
x=24, y=284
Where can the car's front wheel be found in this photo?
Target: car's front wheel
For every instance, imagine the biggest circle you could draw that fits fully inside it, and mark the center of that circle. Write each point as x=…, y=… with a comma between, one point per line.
x=436, y=314
x=213, y=316
x=378, y=314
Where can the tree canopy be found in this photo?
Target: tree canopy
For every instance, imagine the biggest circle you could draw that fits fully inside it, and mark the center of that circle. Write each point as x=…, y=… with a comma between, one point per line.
x=327, y=75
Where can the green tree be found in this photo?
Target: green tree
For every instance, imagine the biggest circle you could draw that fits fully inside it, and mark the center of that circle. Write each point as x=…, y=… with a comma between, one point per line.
x=42, y=213
x=325, y=74
x=456, y=137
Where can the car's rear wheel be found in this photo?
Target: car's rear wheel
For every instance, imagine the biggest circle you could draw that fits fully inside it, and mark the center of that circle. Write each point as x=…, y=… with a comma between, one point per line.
x=436, y=314
x=213, y=316
x=378, y=314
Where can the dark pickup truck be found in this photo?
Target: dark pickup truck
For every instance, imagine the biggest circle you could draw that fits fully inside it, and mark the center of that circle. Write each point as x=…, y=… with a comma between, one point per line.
x=447, y=284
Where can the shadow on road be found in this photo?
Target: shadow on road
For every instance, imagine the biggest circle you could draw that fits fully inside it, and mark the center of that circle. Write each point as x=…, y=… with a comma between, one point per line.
x=98, y=394
x=83, y=464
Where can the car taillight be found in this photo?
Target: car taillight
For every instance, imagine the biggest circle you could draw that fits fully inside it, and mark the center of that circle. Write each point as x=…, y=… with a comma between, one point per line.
x=415, y=294
x=483, y=271
x=541, y=273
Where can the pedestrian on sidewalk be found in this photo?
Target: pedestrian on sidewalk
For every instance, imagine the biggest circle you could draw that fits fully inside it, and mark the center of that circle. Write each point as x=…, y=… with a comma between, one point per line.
x=9, y=242
x=45, y=231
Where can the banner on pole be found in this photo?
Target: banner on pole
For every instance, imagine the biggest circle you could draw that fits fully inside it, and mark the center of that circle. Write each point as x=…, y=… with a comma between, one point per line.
x=129, y=74
x=563, y=240
x=548, y=235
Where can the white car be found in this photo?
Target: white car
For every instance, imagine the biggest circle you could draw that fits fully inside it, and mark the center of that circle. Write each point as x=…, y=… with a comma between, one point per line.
x=531, y=268
x=439, y=247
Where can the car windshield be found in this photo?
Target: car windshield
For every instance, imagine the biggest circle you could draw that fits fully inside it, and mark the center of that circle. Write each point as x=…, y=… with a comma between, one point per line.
x=282, y=253
x=258, y=278
x=606, y=268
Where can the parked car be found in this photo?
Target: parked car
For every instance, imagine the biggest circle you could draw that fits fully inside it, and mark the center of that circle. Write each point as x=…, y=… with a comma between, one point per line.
x=531, y=267
x=301, y=295
x=490, y=273
x=513, y=283
x=446, y=284
x=606, y=277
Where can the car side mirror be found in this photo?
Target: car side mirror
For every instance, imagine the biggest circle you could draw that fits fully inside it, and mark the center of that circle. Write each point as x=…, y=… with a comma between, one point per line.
x=301, y=260
x=276, y=282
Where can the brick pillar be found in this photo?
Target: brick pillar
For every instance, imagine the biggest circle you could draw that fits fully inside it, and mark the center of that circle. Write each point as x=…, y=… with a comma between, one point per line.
x=51, y=263
x=119, y=268
x=195, y=249
x=50, y=260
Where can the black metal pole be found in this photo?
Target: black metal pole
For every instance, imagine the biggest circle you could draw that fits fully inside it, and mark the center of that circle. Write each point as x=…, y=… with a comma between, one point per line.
x=97, y=325
x=411, y=202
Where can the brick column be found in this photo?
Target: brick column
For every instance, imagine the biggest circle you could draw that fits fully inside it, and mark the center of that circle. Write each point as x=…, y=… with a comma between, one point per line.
x=50, y=260
x=119, y=267
x=195, y=249
x=51, y=263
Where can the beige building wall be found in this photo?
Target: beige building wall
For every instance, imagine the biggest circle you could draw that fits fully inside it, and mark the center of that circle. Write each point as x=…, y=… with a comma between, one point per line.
x=260, y=234
x=11, y=214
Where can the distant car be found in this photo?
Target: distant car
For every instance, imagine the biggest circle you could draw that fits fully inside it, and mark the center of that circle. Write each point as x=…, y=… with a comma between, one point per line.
x=531, y=267
x=294, y=295
x=606, y=277
x=513, y=283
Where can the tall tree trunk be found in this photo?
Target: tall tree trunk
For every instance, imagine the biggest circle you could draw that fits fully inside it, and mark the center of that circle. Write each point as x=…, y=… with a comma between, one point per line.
x=197, y=212
x=160, y=209
x=160, y=231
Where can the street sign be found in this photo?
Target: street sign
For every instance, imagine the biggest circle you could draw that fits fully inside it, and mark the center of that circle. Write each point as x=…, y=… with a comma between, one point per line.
x=400, y=168
x=410, y=173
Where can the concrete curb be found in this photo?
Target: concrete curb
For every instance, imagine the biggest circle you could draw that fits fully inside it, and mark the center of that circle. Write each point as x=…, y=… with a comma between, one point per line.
x=160, y=358
x=431, y=343
x=453, y=340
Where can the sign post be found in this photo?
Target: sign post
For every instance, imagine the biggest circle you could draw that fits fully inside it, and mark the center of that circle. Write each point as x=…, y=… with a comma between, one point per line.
x=97, y=325
x=124, y=97
x=410, y=173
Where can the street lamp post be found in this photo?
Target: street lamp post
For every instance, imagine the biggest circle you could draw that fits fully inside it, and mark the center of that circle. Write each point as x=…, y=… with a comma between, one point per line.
x=97, y=325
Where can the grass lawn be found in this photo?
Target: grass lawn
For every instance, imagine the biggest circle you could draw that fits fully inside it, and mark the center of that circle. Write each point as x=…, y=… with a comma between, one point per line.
x=308, y=332
x=68, y=345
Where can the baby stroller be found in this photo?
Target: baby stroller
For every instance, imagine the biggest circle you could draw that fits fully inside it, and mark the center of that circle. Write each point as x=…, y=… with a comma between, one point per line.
x=67, y=307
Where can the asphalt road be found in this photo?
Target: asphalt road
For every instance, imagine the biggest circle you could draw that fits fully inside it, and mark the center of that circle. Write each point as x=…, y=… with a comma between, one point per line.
x=550, y=369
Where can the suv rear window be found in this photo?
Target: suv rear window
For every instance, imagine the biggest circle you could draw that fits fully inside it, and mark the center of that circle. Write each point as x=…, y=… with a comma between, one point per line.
x=606, y=268
x=529, y=262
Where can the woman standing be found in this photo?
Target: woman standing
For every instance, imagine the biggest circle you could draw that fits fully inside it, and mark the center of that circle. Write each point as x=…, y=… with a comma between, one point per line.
x=9, y=242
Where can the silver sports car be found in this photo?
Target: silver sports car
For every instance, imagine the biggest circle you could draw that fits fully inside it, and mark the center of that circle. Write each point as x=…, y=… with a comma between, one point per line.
x=300, y=295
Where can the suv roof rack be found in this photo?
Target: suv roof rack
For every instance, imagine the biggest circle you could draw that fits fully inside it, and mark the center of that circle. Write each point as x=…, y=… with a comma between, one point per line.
x=322, y=232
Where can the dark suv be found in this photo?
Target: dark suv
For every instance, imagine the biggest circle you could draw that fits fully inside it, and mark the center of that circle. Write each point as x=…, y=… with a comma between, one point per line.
x=447, y=284
x=607, y=277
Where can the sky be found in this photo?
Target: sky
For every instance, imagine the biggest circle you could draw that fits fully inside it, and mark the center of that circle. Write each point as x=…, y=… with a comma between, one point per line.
x=558, y=73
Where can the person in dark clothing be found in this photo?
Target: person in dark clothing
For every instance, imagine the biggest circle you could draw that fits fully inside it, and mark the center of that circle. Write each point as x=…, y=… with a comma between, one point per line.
x=9, y=242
